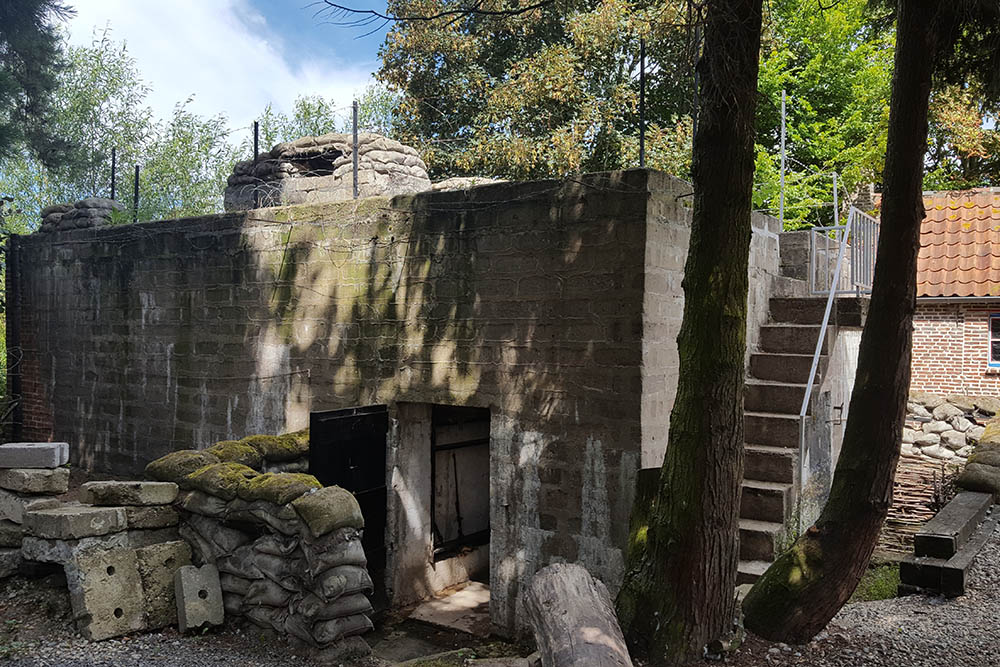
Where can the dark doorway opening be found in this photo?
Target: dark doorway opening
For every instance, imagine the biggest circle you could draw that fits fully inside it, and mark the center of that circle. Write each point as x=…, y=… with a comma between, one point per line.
x=347, y=448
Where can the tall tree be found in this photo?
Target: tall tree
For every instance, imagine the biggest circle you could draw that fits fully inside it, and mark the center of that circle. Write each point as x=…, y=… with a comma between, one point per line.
x=681, y=571
x=809, y=583
x=30, y=60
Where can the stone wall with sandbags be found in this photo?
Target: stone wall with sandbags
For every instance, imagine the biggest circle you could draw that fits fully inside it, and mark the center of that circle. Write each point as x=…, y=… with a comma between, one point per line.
x=288, y=551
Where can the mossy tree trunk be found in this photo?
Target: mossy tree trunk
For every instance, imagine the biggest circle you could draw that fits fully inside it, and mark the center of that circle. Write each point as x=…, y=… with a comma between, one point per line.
x=808, y=584
x=678, y=592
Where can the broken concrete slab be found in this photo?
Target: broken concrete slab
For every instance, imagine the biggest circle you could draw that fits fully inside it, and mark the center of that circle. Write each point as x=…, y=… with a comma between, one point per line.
x=106, y=593
x=145, y=538
x=467, y=610
x=158, y=565
x=10, y=561
x=199, y=597
x=160, y=516
x=11, y=534
x=65, y=551
x=111, y=493
x=51, y=481
x=72, y=521
x=13, y=505
x=34, y=454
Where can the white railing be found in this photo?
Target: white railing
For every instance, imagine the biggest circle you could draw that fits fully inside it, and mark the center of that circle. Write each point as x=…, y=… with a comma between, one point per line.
x=843, y=275
x=828, y=254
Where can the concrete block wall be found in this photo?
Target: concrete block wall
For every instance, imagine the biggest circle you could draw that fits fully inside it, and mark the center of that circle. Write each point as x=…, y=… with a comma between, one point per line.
x=525, y=298
x=951, y=348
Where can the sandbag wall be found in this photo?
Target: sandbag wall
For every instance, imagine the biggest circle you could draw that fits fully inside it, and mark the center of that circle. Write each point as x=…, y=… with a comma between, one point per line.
x=288, y=551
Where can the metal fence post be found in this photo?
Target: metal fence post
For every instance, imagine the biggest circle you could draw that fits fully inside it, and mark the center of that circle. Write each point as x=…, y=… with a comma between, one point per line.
x=256, y=153
x=354, y=151
x=114, y=158
x=135, y=197
x=642, y=102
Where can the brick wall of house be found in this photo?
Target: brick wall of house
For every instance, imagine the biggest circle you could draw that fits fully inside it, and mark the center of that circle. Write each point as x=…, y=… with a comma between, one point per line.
x=951, y=348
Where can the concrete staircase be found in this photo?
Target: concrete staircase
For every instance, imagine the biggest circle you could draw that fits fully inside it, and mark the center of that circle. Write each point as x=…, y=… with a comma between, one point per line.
x=774, y=391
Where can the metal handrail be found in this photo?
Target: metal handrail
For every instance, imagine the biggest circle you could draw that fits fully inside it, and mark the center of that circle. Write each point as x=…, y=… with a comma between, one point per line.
x=865, y=270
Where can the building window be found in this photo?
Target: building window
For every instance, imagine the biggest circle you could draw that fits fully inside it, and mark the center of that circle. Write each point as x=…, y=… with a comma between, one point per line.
x=995, y=339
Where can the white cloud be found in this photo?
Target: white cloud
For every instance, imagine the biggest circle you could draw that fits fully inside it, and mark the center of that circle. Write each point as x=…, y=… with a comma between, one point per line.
x=220, y=51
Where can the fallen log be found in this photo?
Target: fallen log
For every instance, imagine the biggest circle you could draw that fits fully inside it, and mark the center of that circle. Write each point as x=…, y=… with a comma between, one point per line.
x=573, y=619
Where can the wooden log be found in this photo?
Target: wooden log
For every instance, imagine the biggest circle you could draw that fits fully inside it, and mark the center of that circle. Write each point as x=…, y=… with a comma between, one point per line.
x=573, y=619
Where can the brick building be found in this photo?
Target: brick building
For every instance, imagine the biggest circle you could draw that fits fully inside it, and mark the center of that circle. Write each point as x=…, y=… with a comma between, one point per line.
x=956, y=326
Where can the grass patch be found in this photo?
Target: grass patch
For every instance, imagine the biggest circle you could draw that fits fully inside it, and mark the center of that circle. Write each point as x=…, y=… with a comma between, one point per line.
x=878, y=583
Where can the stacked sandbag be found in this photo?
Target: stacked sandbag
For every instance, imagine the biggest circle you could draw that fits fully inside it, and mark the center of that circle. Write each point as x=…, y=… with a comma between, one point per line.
x=89, y=212
x=945, y=428
x=288, y=552
x=982, y=472
x=320, y=169
x=30, y=475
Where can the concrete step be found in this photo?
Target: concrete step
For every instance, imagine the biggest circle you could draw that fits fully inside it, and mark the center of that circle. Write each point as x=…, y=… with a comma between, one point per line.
x=845, y=311
x=950, y=529
x=749, y=571
x=769, y=396
x=785, y=367
x=770, y=464
x=945, y=576
x=765, y=501
x=759, y=539
x=771, y=429
x=786, y=286
x=792, y=339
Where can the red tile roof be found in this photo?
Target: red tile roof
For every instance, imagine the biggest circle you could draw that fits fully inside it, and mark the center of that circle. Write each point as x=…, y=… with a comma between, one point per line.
x=960, y=244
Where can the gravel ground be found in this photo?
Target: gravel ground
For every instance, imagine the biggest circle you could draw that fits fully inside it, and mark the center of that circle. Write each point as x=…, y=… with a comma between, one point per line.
x=913, y=631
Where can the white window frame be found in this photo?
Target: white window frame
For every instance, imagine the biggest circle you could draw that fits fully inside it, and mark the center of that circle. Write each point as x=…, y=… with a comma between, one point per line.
x=990, y=338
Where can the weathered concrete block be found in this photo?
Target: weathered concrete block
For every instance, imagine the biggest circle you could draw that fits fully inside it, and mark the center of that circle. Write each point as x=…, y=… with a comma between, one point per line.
x=151, y=517
x=64, y=551
x=34, y=454
x=13, y=505
x=10, y=560
x=144, y=538
x=199, y=597
x=106, y=593
x=71, y=522
x=128, y=493
x=11, y=534
x=158, y=565
x=35, y=480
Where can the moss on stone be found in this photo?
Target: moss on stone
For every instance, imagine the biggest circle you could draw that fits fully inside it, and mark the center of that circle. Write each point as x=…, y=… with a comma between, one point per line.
x=991, y=435
x=286, y=447
x=278, y=488
x=234, y=451
x=989, y=457
x=177, y=465
x=222, y=480
x=329, y=509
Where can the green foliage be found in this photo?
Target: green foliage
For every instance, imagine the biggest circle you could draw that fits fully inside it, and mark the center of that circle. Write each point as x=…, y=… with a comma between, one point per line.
x=100, y=103
x=836, y=69
x=541, y=94
x=30, y=62
x=879, y=582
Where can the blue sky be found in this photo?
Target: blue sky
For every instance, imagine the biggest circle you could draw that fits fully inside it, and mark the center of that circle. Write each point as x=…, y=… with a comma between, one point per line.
x=235, y=56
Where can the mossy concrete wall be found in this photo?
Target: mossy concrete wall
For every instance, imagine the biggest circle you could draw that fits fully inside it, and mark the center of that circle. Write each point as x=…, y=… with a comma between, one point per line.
x=553, y=303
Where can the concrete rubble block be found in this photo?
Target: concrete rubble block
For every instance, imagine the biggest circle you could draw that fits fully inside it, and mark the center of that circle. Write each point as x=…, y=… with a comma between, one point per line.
x=14, y=505
x=158, y=565
x=51, y=481
x=65, y=551
x=106, y=593
x=34, y=454
x=72, y=521
x=145, y=538
x=128, y=493
x=11, y=534
x=10, y=561
x=151, y=517
x=199, y=597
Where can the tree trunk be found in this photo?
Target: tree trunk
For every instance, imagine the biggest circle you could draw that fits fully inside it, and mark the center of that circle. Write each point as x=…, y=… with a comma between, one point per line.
x=678, y=591
x=809, y=583
x=573, y=620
